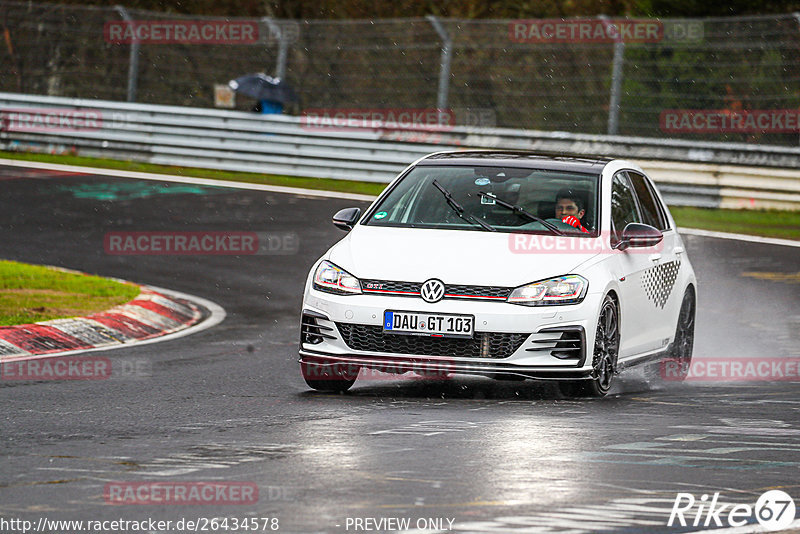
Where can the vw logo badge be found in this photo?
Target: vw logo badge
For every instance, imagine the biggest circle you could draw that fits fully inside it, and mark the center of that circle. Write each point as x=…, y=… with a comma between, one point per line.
x=432, y=290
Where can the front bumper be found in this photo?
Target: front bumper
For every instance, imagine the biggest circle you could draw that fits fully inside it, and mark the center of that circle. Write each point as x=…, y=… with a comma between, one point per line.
x=428, y=366
x=552, y=343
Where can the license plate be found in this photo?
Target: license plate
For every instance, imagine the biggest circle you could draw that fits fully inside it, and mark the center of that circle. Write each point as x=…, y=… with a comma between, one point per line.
x=428, y=324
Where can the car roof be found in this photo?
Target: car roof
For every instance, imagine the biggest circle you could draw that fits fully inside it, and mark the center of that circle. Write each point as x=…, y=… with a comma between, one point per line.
x=512, y=158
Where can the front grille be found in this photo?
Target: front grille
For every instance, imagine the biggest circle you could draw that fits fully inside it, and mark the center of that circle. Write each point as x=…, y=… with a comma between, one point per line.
x=484, y=345
x=383, y=286
x=456, y=291
x=451, y=291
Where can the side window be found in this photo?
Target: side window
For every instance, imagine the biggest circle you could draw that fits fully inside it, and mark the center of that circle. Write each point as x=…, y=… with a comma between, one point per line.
x=623, y=205
x=652, y=213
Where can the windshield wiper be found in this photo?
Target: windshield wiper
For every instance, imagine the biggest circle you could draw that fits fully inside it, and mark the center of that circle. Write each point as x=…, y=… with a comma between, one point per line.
x=459, y=209
x=523, y=212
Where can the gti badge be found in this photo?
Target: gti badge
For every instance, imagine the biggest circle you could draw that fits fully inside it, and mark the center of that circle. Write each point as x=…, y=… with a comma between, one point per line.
x=432, y=290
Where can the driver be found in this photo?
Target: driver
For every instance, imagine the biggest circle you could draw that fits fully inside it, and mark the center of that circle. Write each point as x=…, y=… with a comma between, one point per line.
x=570, y=209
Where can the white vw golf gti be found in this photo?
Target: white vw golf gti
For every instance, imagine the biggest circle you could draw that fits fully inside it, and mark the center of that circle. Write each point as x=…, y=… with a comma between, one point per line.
x=503, y=264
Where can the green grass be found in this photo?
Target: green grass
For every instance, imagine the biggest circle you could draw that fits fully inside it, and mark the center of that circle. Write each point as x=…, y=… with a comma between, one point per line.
x=768, y=223
x=327, y=184
x=782, y=224
x=32, y=293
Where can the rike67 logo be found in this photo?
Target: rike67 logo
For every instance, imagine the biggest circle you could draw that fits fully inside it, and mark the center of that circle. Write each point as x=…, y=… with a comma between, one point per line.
x=774, y=510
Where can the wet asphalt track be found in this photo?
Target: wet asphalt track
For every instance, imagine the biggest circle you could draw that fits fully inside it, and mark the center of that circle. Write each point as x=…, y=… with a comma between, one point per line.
x=228, y=404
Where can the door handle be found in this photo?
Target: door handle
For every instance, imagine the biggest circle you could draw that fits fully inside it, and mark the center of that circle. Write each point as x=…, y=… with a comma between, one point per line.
x=654, y=257
x=678, y=250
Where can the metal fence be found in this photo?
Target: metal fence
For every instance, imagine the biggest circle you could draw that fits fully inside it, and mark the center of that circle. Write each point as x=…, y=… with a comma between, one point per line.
x=515, y=80
x=278, y=144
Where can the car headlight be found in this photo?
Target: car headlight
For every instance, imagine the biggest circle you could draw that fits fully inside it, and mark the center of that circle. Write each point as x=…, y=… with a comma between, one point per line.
x=568, y=289
x=332, y=279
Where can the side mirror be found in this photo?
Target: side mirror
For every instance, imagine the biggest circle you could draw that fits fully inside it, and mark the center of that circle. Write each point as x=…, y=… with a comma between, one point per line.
x=639, y=235
x=347, y=218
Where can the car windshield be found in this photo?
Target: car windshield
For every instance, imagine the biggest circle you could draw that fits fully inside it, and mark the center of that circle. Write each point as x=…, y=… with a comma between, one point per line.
x=420, y=200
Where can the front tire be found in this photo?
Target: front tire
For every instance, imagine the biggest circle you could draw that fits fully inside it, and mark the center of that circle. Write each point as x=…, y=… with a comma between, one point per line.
x=604, y=356
x=680, y=353
x=337, y=377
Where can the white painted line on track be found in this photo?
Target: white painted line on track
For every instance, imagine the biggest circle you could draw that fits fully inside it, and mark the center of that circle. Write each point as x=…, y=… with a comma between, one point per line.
x=217, y=316
x=316, y=193
x=185, y=180
x=740, y=237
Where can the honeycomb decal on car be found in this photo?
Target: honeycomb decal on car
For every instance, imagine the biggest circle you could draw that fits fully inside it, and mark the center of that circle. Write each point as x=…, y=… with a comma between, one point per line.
x=658, y=282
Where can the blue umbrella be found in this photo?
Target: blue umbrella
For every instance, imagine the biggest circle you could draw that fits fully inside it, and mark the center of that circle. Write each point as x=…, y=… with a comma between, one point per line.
x=263, y=87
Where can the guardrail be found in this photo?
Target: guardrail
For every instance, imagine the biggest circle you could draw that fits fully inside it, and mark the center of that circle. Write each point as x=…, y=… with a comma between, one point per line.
x=688, y=173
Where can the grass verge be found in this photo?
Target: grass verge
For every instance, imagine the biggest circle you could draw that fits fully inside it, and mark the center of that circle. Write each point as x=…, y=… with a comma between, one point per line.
x=766, y=223
x=327, y=184
x=773, y=223
x=33, y=293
